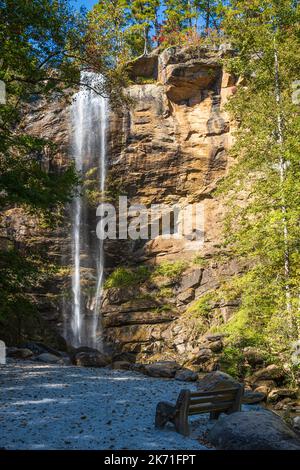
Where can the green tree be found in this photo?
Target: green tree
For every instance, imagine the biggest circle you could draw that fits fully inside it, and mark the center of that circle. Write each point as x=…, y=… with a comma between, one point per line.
x=143, y=16
x=264, y=230
x=43, y=44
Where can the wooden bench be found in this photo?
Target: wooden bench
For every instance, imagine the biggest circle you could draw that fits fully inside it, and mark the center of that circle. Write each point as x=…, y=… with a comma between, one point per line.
x=194, y=403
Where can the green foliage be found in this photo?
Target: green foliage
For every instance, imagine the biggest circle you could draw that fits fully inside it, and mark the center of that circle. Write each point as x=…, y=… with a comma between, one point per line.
x=262, y=188
x=126, y=277
x=231, y=361
x=170, y=270
x=202, y=307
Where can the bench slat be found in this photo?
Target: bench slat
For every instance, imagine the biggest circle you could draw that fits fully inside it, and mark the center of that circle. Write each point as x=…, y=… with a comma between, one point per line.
x=211, y=398
x=214, y=392
x=207, y=407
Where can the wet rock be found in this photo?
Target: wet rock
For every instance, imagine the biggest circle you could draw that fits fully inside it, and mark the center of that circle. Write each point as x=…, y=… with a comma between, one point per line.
x=186, y=375
x=162, y=369
x=19, y=353
x=91, y=359
x=253, y=430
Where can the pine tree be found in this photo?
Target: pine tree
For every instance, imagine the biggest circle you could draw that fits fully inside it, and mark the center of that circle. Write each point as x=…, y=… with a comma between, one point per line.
x=264, y=230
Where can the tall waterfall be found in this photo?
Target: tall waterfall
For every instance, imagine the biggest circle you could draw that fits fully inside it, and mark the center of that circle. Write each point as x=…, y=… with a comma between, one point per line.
x=89, y=114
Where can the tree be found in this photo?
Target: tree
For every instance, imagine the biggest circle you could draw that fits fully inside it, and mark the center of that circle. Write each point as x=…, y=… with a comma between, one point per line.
x=265, y=231
x=43, y=44
x=143, y=15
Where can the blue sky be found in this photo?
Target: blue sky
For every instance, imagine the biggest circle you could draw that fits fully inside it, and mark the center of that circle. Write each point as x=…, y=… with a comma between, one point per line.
x=86, y=3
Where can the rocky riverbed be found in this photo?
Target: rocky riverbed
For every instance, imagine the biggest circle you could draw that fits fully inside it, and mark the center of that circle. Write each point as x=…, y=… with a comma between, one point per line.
x=50, y=406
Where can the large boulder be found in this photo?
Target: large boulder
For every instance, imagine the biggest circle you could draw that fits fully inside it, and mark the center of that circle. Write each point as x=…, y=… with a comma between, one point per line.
x=253, y=430
x=271, y=372
x=217, y=380
x=19, y=353
x=280, y=393
x=165, y=369
x=40, y=348
x=251, y=397
x=253, y=356
x=91, y=358
x=49, y=358
x=186, y=375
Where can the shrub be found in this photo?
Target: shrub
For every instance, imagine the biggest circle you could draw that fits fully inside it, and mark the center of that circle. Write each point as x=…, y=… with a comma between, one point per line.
x=124, y=277
x=170, y=270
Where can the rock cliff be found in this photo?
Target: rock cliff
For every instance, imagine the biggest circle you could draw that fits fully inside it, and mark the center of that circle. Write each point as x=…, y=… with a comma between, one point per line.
x=169, y=146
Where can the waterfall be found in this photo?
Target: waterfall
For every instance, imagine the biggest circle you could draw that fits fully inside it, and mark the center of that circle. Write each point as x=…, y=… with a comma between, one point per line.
x=89, y=112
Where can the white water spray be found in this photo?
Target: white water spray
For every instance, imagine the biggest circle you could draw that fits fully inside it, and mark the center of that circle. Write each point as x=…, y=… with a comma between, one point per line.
x=89, y=126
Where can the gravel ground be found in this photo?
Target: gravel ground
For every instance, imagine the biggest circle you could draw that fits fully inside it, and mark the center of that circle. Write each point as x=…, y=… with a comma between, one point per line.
x=65, y=407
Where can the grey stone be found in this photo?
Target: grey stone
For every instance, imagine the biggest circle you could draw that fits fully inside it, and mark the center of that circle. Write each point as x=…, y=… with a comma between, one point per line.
x=217, y=380
x=190, y=279
x=49, y=358
x=91, y=359
x=253, y=397
x=186, y=375
x=19, y=353
x=253, y=430
x=162, y=369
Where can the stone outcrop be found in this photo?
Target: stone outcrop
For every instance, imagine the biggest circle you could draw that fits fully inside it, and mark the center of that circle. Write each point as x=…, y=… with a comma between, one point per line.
x=253, y=430
x=170, y=146
x=173, y=150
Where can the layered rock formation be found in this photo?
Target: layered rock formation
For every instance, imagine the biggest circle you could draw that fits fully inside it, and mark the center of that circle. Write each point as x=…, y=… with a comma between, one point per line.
x=168, y=147
x=173, y=150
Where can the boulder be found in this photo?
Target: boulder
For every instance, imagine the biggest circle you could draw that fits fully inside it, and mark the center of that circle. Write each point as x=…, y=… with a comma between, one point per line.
x=122, y=365
x=215, y=346
x=166, y=369
x=203, y=355
x=250, y=397
x=19, y=353
x=253, y=356
x=40, y=348
x=214, y=337
x=190, y=279
x=49, y=358
x=296, y=424
x=185, y=297
x=186, y=375
x=216, y=380
x=253, y=430
x=144, y=66
x=279, y=393
x=272, y=372
x=264, y=386
x=91, y=358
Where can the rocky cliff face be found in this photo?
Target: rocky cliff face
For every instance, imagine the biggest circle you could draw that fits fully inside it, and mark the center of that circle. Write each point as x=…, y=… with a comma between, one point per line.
x=172, y=150
x=168, y=147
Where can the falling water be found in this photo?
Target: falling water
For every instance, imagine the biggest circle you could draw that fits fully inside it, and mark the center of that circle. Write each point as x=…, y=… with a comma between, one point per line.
x=89, y=126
